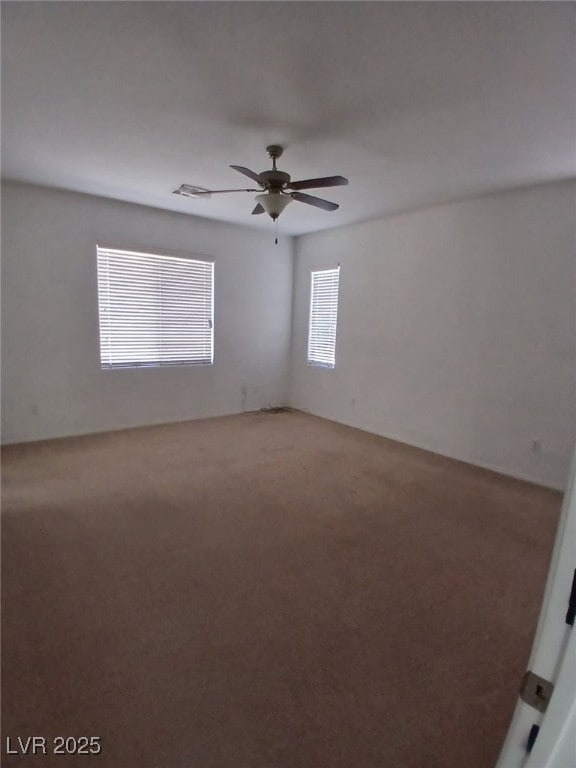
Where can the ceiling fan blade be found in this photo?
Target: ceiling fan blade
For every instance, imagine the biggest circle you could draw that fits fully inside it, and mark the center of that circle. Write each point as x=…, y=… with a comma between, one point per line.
x=326, y=205
x=219, y=191
x=187, y=190
x=326, y=181
x=258, y=209
x=247, y=172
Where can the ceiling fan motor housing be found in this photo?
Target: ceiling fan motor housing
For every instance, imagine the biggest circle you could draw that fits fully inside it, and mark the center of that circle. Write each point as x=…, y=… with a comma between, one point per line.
x=275, y=180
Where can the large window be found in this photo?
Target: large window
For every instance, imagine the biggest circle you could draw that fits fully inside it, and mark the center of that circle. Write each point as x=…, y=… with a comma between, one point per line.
x=154, y=310
x=323, y=316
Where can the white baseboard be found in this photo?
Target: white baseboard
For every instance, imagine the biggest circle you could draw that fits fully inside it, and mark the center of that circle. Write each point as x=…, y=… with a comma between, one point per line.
x=448, y=455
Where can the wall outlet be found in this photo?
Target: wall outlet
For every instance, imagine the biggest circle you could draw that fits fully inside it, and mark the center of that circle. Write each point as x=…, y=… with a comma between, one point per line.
x=537, y=446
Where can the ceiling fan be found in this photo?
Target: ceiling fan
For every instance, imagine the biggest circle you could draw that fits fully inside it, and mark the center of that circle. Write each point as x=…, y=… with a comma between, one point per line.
x=276, y=189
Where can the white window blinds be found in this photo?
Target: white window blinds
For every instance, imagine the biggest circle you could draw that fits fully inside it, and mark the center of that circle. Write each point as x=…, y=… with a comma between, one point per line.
x=154, y=310
x=323, y=316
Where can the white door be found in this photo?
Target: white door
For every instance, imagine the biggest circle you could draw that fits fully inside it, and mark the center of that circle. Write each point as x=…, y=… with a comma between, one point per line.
x=552, y=733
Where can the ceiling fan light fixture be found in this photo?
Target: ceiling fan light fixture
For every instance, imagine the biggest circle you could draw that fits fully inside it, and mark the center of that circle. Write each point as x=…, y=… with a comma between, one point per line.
x=273, y=203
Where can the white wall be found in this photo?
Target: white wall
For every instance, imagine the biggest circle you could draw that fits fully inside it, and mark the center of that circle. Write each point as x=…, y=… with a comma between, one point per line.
x=51, y=376
x=457, y=324
x=456, y=330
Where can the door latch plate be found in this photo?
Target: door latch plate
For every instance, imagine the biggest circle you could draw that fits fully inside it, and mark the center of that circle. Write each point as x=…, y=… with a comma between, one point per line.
x=536, y=691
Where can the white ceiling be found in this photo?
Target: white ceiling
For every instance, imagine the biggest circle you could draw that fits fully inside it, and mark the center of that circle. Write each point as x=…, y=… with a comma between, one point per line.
x=416, y=103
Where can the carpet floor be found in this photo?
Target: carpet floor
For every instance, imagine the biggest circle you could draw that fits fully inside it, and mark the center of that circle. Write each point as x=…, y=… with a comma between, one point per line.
x=265, y=591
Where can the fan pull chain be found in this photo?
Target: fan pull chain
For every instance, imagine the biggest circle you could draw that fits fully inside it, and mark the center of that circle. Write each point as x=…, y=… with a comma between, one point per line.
x=276, y=233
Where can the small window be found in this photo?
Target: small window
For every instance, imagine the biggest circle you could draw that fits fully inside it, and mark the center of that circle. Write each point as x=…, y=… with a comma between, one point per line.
x=154, y=310
x=323, y=315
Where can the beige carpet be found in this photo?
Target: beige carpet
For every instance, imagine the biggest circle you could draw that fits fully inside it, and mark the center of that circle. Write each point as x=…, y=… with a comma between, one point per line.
x=266, y=591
